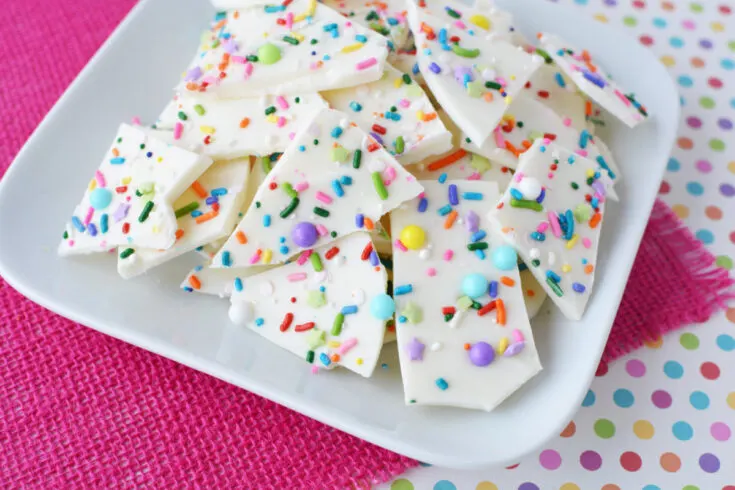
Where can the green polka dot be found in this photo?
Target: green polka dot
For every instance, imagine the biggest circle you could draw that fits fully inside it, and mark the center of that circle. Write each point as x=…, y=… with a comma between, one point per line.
x=690, y=487
x=630, y=21
x=401, y=484
x=717, y=144
x=707, y=102
x=696, y=8
x=269, y=54
x=731, y=45
x=689, y=341
x=724, y=261
x=604, y=428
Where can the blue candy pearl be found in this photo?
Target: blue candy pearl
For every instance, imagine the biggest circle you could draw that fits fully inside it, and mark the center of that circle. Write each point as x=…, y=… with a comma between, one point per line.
x=474, y=285
x=382, y=307
x=505, y=258
x=100, y=198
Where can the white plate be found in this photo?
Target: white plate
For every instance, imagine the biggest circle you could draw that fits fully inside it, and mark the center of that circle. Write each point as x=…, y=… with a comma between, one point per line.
x=133, y=74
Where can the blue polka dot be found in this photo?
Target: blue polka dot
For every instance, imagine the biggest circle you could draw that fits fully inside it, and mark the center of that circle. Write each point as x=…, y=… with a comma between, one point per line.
x=651, y=487
x=589, y=399
x=444, y=485
x=685, y=81
x=676, y=42
x=732, y=103
x=682, y=431
x=673, y=370
x=695, y=188
x=673, y=165
x=699, y=400
x=580, y=2
x=727, y=63
x=623, y=398
x=659, y=22
x=726, y=342
x=705, y=236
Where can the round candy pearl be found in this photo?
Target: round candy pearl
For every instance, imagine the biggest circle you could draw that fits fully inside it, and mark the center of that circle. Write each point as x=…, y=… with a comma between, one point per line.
x=304, y=234
x=241, y=313
x=474, y=285
x=413, y=237
x=269, y=54
x=530, y=188
x=505, y=258
x=100, y=198
x=482, y=354
x=382, y=307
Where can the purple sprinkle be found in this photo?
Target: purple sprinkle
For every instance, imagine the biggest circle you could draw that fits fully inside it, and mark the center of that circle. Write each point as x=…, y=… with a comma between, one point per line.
x=453, y=197
x=594, y=78
x=415, y=350
x=377, y=137
x=304, y=234
x=211, y=200
x=121, y=212
x=578, y=287
x=514, y=349
x=541, y=196
x=435, y=68
x=493, y=289
x=359, y=220
x=374, y=260
x=193, y=74
x=463, y=74
x=92, y=229
x=599, y=188
x=482, y=354
x=230, y=46
x=423, y=204
x=473, y=222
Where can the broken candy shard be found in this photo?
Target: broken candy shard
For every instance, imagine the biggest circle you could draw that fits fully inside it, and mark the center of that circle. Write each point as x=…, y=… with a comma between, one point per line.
x=331, y=181
x=464, y=338
x=551, y=214
x=128, y=200
x=330, y=309
x=386, y=17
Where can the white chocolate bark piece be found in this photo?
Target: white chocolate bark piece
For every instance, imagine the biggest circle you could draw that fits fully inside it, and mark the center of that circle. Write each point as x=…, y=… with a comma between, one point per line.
x=593, y=80
x=397, y=113
x=552, y=214
x=462, y=165
x=550, y=86
x=128, y=201
x=331, y=181
x=329, y=308
x=386, y=17
x=220, y=281
x=227, y=129
x=464, y=338
x=303, y=47
x=207, y=211
x=474, y=79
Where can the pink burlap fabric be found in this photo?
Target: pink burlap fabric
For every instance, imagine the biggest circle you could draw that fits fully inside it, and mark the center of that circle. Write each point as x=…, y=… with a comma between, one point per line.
x=81, y=410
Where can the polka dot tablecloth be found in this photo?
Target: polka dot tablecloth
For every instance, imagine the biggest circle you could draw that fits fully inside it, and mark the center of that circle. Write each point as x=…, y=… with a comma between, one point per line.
x=663, y=417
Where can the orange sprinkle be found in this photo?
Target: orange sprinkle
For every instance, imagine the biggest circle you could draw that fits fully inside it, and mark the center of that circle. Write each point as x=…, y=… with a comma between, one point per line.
x=588, y=108
x=526, y=144
x=219, y=25
x=241, y=238
x=206, y=217
x=369, y=225
x=451, y=217
x=195, y=282
x=335, y=357
x=236, y=14
x=192, y=86
x=509, y=146
x=197, y=187
x=530, y=293
x=506, y=229
x=429, y=117
x=488, y=96
x=596, y=218
x=446, y=161
x=467, y=346
x=245, y=123
x=500, y=311
x=116, y=152
x=179, y=233
x=588, y=269
x=507, y=281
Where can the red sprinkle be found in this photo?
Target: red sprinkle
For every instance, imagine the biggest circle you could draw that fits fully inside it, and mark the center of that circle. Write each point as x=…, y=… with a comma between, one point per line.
x=366, y=251
x=122, y=189
x=449, y=310
x=372, y=147
x=379, y=129
x=487, y=308
x=126, y=228
x=543, y=94
x=331, y=253
x=272, y=186
x=286, y=322
x=304, y=327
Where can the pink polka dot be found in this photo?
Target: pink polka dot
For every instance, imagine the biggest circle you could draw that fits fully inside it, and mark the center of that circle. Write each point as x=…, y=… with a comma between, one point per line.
x=661, y=399
x=732, y=236
x=704, y=166
x=694, y=122
x=720, y=431
x=635, y=368
x=710, y=370
x=639, y=4
x=590, y=460
x=550, y=459
x=689, y=25
x=665, y=188
x=646, y=40
x=725, y=10
x=714, y=82
x=630, y=461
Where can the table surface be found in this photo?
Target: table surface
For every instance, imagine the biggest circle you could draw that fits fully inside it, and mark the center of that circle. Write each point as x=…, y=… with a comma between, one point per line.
x=663, y=417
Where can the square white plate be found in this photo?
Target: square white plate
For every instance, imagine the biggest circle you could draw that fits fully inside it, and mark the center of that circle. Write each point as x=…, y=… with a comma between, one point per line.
x=133, y=73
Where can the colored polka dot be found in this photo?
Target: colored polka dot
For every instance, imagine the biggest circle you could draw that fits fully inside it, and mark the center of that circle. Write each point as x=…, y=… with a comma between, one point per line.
x=724, y=261
x=727, y=190
x=717, y=26
x=709, y=463
x=569, y=430
x=673, y=369
x=695, y=188
x=695, y=7
x=590, y=460
x=731, y=167
x=682, y=430
x=697, y=62
x=444, y=485
x=726, y=342
x=685, y=143
x=610, y=486
x=689, y=25
x=694, y=122
x=676, y=42
x=704, y=166
x=727, y=63
x=680, y=210
x=731, y=400
x=730, y=314
x=705, y=44
x=705, y=236
x=668, y=6
x=528, y=486
x=689, y=341
x=724, y=124
x=673, y=165
x=661, y=399
x=699, y=400
x=720, y=431
x=654, y=343
x=670, y=462
x=569, y=486
x=630, y=461
x=401, y=484
x=604, y=428
x=643, y=429
x=651, y=487
x=635, y=368
x=600, y=18
x=623, y=398
x=646, y=40
x=486, y=485
x=668, y=60
x=713, y=212
x=589, y=399
x=717, y=144
x=550, y=459
x=725, y=9
x=710, y=370
x=732, y=236
x=630, y=21
x=664, y=188
x=659, y=22
x=707, y=102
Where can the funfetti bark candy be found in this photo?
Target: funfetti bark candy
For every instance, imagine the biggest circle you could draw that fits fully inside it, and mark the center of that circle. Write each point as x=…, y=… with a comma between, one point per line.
x=397, y=114
x=552, y=214
x=328, y=307
x=293, y=48
x=208, y=210
x=386, y=17
x=220, y=282
x=333, y=180
x=464, y=338
x=404, y=59
x=227, y=129
x=128, y=201
x=462, y=165
x=550, y=86
x=534, y=295
x=593, y=80
x=472, y=72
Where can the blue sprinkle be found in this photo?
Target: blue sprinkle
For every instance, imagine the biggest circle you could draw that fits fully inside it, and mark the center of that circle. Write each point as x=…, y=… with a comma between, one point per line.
x=360, y=38
x=492, y=289
x=355, y=106
x=542, y=149
x=337, y=188
x=579, y=288
x=92, y=229
x=584, y=261
x=117, y=161
x=443, y=36
x=349, y=310
x=188, y=289
x=226, y=260
x=516, y=194
x=325, y=359
x=345, y=180
x=477, y=236
x=442, y=178
x=211, y=200
x=415, y=69
x=595, y=202
x=480, y=254
x=442, y=384
x=435, y=68
x=539, y=237
x=392, y=21
x=259, y=322
x=336, y=132
x=322, y=288
x=284, y=250
x=196, y=213
x=198, y=268
x=219, y=191
x=453, y=195
x=302, y=148
x=423, y=204
x=553, y=276
x=570, y=224
x=238, y=284
x=570, y=160
x=584, y=137
x=272, y=9
x=220, y=16
x=77, y=224
x=402, y=319
x=104, y=223
x=374, y=259
x=445, y=210
x=560, y=79
x=329, y=27
x=472, y=196
x=541, y=196
x=359, y=220
x=403, y=289
x=282, y=239
x=267, y=220
x=594, y=78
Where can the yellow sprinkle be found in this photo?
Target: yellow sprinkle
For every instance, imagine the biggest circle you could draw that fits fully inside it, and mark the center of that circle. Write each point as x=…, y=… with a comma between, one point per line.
x=92, y=184
x=207, y=129
x=297, y=36
x=480, y=21
x=590, y=172
x=333, y=344
x=508, y=100
x=512, y=77
x=571, y=243
x=358, y=361
x=272, y=118
x=126, y=180
x=420, y=115
x=155, y=229
x=352, y=48
x=268, y=255
x=566, y=268
x=397, y=83
x=160, y=159
x=502, y=345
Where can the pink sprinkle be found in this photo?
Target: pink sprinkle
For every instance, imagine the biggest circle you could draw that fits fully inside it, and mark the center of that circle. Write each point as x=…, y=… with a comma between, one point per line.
x=431, y=271
x=622, y=97
x=567, y=121
x=303, y=257
x=400, y=245
x=499, y=140
x=297, y=276
x=404, y=103
x=347, y=346
x=301, y=186
x=581, y=152
x=100, y=178
x=210, y=80
x=389, y=174
x=255, y=258
x=248, y=69
x=240, y=60
x=502, y=81
x=460, y=24
x=365, y=64
x=178, y=130
x=448, y=255
x=323, y=197
x=474, y=176
x=518, y=176
x=71, y=243
x=554, y=221
x=517, y=336
x=322, y=230
x=281, y=101
x=314, y=370
x=586, y=242
x=289, y=20
x=546, y=141
x=281, y=122
x=348, y=24
x=315, y=66
x=136, y=121
x=291, y=135
x=542, y=227
x=88, y=218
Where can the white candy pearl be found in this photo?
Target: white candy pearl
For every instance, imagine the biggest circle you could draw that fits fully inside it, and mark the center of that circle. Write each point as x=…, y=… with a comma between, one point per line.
x=241, y=313
x=530, y=188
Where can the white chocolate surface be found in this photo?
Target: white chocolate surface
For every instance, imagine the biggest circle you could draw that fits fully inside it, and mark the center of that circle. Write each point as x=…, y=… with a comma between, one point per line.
x=387, y=17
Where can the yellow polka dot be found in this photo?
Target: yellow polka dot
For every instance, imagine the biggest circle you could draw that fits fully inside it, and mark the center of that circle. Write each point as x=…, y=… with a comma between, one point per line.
x=654, y=344
x=680, y=210
x=486, y=485
x=717, y=26
x=601, y=18
x=731, y=400
x=668, y=60
x=643, y=429
x=569, y=486
x=731, y=167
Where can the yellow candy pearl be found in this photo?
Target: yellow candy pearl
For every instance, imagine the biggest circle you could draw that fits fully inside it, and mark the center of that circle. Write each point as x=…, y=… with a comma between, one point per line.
x=413, y=237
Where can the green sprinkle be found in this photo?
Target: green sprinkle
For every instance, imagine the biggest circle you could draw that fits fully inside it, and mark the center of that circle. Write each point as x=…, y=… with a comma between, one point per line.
x=476, y=305
x=321, y=212
x=183, y=116
x=270, y=110
x=356, y=158
x=379, y=186
x=289, y=190
x=146, y=211
x=183, y=211
x=66, y=235
x=526, y=204
x=333, y=234
x=379, y=29
x=554, y=287
x=406, y=79
x=453, y=13
x=477, y=246
x=535, y=262
x=448, y=317
x=252, y=58
x=314, y=41
x=266, y=162
x=372, y=15
x=297, y=100
x=127, y=253
x=399, y=145
x=548, y=59
x=590, y=180
x=464, y=52
x=199, y=109
x=290, y=208
x=574, y=185
x=310, y=357
x=316, y=262
x=291, y=40
x=337, y=324
x=493, y=85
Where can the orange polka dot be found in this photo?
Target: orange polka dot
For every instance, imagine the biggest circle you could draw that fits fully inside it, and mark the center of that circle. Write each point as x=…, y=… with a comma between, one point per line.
x=685, y=143
x=680, y=210
x=610, y=486
x=668, y=6
x=601, y=18
x=731, y=167
x=730, y=314
x=569, y=430
x=670, y=462
x=655, y=343
x=697, y=62
x=713, y=212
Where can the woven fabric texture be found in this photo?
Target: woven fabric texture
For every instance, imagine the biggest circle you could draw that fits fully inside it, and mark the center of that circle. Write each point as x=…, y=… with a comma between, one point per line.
x=82, y=410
